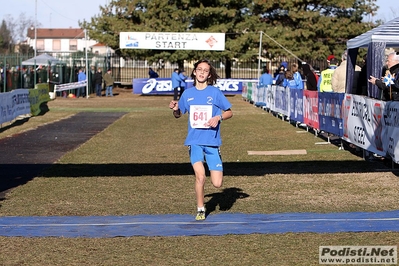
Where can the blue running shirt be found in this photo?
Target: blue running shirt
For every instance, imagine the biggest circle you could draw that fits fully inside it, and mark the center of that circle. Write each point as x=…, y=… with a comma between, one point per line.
x=202, y=100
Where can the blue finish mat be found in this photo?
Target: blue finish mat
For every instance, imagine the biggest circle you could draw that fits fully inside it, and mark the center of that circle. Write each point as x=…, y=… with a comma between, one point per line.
x=185, y=225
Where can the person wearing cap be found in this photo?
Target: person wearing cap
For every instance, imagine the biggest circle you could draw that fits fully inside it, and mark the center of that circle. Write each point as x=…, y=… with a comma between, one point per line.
x=331, y=56
x=109, y=83
x=324, y=83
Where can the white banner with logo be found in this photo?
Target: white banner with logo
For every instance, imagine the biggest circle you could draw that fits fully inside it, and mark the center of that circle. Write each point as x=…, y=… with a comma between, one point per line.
x=172, y=41
x=364, y=123
x=13, y=104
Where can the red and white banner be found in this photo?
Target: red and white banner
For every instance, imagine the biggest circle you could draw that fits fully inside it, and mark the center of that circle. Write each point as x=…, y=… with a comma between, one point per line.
x=172, y=41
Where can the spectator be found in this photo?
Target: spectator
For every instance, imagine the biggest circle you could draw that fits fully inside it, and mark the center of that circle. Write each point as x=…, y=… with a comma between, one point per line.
x=297, y=76
x=324, y=83
x=289, y=81
x=265, y=79
x=279, y=78
x=109, y=83
x=338, y=80
x=152, y=73
x=362, y=80
x=176, y=81
x=310, y=76
x=81, y=90
x=329, y=58
x=98, y=81
x=390, y=82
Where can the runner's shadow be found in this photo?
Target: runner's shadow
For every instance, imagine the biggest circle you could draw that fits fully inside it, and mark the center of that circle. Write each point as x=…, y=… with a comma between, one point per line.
x=225, y=199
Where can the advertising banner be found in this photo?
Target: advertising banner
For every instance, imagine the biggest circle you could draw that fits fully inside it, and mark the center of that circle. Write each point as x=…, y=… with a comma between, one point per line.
x=172, y=41
x=164, y=85
x=296, y=105
x=390, y=130
x=310, y=109
x=38, y=96
x=281, y=100
x=363, y=123
x=330, y=112
x=14, y=104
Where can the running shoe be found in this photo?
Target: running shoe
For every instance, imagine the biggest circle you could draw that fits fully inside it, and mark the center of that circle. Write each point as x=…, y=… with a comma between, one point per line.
x=200, y=216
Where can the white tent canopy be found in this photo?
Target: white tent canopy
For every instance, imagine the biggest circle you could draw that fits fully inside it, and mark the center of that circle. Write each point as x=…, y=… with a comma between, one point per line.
x=387, y=33
x=43, y=59
x=376, y=41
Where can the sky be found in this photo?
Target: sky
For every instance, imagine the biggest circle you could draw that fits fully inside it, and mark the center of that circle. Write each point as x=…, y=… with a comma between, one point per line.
x=66, y=14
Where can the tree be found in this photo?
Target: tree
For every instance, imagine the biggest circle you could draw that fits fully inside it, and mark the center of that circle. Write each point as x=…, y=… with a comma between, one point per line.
x=19, y=26
x=5, y=38
x=313, y=29
x=307, y=29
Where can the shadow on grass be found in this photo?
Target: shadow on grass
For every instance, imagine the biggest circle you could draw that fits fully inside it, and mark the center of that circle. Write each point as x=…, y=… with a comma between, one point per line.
x=225, y=199
x=13, y=175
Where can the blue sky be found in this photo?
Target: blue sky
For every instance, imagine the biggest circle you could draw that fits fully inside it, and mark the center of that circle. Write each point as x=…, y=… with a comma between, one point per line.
x=65, y=14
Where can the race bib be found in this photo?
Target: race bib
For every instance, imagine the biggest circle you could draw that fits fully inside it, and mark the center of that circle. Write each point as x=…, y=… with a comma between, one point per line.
x=200, y=115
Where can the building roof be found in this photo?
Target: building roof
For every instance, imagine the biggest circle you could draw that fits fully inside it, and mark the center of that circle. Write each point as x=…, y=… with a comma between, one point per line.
x=43, y=33
x=388, y=33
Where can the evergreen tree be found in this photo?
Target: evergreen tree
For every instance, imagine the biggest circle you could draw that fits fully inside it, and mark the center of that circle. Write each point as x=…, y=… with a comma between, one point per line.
x=307, y=29
x=5, y=38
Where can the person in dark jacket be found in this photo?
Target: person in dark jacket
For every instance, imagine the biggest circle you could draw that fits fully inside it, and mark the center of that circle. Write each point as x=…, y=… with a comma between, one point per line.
x=98, y=80
x=389, y=84
x=152, y=73
x=310, y=76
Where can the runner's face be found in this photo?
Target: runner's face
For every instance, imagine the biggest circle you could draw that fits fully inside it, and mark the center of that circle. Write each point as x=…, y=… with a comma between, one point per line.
x=202, y=72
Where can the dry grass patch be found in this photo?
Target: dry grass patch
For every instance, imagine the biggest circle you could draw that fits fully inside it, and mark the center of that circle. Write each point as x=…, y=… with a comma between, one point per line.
x=138, y=165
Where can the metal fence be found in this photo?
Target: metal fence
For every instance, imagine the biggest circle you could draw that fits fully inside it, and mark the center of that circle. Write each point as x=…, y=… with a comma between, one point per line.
x=14, y=75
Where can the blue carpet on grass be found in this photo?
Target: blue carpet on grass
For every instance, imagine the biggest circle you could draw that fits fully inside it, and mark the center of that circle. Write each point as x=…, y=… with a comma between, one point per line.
x=185, y=225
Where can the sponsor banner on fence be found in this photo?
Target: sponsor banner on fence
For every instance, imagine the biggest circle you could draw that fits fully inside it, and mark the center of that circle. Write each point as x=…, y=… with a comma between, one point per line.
x=172, y=40
x=390, y=132
x=296, y=105
x=281, y=100
x=164, y=86
x=38, y=96
x=363, y=123
x=330, y=112
x=13, y=104
x=310, y=109
x=70, y=86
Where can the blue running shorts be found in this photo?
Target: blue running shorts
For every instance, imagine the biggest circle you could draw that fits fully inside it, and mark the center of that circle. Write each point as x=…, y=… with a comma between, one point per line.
x=212, y=156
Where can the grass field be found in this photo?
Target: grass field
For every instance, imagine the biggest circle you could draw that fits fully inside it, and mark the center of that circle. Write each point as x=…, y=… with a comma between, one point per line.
x=145, y=170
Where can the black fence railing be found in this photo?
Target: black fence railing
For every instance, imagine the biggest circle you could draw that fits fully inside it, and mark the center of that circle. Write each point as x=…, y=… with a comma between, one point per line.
x=15, y=75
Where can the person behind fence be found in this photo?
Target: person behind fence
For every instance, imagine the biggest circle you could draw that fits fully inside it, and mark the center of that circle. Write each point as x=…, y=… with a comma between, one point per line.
x=265, y=79
x=310, y=76
x=207, y=108
x=297, y=76
x=176, y=81
x=389, y=84
x=183, y=77
x=338, y=80
x=362, y=79
x=109, y=83
x=280, y=76
x=152, y=73
x=81, y=77
x=98, y=81
x=324, y=83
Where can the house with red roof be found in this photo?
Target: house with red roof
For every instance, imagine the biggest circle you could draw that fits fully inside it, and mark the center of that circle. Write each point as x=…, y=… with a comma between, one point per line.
x=58, y=40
